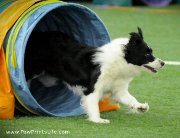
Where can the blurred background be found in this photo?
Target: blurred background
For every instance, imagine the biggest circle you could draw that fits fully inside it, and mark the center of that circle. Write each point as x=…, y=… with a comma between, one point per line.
x=153, y=3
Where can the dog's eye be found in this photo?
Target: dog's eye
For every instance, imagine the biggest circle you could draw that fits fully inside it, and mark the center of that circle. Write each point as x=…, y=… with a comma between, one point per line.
x=147, y=55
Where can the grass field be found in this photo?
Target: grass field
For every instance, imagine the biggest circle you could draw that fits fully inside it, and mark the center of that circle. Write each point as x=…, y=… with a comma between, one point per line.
x=162, y=91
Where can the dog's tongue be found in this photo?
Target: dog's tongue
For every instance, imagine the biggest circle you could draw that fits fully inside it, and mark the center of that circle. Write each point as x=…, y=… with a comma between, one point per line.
x=150, y=68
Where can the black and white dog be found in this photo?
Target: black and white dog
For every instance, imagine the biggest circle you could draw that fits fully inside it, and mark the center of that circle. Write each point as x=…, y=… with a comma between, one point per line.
x=54, y=57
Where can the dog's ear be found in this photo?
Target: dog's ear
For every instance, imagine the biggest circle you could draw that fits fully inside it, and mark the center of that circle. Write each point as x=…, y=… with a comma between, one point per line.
x=136, y=38
x=140, y=32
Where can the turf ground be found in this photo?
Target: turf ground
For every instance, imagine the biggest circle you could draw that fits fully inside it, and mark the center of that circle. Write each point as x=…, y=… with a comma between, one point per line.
x=162, y=91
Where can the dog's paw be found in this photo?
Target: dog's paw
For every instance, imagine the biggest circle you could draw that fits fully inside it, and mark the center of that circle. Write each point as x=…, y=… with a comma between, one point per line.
x=143, y=107
x=99, y=120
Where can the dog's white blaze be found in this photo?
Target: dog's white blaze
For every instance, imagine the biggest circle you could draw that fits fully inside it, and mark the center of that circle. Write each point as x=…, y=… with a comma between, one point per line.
x=156, y=64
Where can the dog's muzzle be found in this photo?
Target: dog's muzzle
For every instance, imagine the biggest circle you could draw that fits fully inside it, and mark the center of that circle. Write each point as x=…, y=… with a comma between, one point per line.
x=154, y=66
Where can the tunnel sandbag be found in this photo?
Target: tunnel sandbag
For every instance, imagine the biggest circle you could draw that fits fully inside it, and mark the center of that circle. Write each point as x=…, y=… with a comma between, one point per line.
x=78, y=22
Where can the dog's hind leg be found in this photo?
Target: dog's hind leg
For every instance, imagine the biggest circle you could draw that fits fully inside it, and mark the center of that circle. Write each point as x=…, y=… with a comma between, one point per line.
x=91, y=105
x=48, y=80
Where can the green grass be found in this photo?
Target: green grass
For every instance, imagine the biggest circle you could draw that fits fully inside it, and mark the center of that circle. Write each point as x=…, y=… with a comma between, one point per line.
x=161, y=91
x=161, y=30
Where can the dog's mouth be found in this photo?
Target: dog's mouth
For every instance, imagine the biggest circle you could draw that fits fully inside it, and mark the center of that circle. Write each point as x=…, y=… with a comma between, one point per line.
x=150, y=68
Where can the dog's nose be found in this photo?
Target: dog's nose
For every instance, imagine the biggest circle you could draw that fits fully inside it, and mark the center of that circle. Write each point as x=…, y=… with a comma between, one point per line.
x=162, y=63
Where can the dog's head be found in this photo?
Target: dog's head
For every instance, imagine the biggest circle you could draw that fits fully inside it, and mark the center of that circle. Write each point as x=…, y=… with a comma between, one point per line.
x=137, y=52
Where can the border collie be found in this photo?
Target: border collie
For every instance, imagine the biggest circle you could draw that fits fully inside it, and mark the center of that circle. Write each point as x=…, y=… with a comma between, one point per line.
x=92, y=72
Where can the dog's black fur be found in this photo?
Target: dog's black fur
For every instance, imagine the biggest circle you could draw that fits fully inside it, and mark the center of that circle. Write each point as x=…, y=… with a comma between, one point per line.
x=137, y=51
x=62, y=57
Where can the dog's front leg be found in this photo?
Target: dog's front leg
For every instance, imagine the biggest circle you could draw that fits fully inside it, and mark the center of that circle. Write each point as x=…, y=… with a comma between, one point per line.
x=91, y=105
x=131, y=102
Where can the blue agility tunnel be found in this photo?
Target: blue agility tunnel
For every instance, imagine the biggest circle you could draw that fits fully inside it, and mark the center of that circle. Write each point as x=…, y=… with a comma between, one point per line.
x=77, y=21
